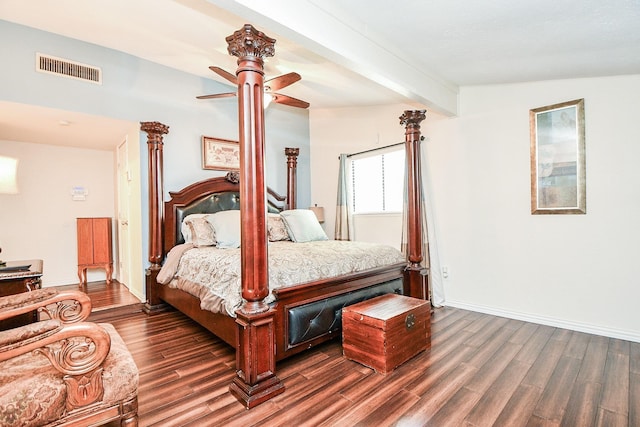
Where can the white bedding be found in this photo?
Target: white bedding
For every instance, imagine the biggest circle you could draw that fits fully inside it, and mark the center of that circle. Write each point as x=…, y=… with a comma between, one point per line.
x=214, y=275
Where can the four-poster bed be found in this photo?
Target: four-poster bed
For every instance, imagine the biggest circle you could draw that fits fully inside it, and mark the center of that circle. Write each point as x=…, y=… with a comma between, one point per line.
x=299, y=316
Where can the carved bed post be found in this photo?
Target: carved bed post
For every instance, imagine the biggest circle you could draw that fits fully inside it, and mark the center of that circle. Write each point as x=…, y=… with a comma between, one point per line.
x=292, y=165
x=255, y=380
x=154, y=131
x=415, y=274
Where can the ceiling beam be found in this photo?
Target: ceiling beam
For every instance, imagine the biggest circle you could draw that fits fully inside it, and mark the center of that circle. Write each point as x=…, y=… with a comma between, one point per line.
x=309, y=25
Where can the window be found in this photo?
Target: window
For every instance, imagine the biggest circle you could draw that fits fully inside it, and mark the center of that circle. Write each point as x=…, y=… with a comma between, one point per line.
x=377, y=182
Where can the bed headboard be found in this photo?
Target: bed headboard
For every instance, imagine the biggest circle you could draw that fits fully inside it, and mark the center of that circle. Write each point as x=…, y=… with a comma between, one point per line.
x=208, y=196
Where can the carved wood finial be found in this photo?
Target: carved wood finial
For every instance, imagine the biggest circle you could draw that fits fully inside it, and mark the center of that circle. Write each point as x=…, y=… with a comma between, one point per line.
x=154, y=130
x=233, y=177
x=292, y=155
x=248, y=41
x=412, y=118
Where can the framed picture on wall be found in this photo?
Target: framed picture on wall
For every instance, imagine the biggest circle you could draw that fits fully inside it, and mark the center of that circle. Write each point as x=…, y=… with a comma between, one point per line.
x=220, y=154
x=558, y=176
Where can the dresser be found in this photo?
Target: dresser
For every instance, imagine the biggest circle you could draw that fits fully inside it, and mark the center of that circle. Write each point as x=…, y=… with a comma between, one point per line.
x=17, y=277
x=94, y=247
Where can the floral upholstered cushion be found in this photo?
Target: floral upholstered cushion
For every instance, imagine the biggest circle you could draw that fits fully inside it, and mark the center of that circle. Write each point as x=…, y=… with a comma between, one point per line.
x=33, y=393
x=120, y=371
x=276, y=229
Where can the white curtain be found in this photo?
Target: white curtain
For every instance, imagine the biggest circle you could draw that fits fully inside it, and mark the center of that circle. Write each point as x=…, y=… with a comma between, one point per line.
x=344, y=223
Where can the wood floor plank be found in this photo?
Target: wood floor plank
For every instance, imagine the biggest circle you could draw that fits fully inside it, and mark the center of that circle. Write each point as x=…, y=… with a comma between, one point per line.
x=495, y=367
x=634, y=357
x=634, y=398
x=519, y=408
x=611, y=419
x=479, y=338
x=577, y=345
x=582, y=407
x=495, y=397
x=532, y=348
x=441, y=368
x=490, y=347
x=479, y=370
x=456, y=409
x=544, y=365
x=393, y=408
x=524, y=334
x=436, y=396
x=556, y=392
x=592, y=368
x=615, y=390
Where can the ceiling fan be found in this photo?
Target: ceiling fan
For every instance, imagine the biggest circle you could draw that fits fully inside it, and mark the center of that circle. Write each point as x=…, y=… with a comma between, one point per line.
x=270, y=86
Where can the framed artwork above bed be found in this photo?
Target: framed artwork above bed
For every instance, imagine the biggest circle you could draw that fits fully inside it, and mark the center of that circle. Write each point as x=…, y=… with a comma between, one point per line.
x=220, y=154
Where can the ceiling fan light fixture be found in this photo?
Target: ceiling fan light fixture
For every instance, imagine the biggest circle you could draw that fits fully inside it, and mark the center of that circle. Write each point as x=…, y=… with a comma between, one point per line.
x=270, y=86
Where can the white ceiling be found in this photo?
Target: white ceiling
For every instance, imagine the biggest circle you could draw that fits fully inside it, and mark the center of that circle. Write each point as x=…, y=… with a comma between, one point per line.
x=349, y=53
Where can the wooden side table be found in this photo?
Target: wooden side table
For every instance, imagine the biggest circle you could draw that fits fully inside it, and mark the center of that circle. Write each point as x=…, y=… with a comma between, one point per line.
x=17, y=277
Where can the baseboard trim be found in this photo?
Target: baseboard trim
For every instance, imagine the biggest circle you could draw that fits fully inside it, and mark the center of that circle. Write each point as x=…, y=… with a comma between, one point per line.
x=549, y=321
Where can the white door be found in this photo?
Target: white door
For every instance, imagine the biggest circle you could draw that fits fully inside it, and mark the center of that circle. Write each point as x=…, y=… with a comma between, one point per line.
x=124, y=191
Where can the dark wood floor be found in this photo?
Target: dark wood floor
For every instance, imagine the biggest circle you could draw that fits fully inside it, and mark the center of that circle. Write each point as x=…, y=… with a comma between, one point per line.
x=480, y=370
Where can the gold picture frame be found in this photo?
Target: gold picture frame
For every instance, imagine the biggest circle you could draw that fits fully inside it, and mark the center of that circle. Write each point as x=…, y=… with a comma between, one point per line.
x=558, y=175
x=220, y=154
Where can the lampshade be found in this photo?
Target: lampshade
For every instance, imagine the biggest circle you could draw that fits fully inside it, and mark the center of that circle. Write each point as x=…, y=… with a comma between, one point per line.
x=318, y=211
x=8, y=175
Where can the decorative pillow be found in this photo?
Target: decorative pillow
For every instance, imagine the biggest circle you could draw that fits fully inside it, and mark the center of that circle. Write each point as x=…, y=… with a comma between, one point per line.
x=303, y=226
x=276, y=229
x=201, y=232
x=226, y=225
x=186, y=230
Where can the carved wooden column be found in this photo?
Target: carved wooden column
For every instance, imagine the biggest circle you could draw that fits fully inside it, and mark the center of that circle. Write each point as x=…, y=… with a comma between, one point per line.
x=255, y=380
x=415, y=274
x=292, y=166
x=154, y=131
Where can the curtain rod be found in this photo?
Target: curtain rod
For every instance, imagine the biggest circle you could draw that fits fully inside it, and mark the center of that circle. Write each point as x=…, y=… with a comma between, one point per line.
x=374, y=149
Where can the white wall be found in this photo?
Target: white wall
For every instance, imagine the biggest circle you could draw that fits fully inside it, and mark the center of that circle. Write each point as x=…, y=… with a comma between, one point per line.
x=573, y=271
x=40, y=221
x=577, y=271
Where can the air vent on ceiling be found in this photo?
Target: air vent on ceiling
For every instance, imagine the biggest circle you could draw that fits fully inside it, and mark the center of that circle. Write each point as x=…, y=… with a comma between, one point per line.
x=66, y=68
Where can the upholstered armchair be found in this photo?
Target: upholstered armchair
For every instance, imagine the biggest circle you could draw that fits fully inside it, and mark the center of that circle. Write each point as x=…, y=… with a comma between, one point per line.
x=62, y=370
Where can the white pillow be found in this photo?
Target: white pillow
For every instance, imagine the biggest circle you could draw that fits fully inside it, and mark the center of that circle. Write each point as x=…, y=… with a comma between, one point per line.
x=226, y=225
x=303, y=225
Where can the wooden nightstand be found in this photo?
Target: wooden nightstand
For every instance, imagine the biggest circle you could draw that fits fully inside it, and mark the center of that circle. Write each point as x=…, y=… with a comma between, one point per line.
x=15, y=280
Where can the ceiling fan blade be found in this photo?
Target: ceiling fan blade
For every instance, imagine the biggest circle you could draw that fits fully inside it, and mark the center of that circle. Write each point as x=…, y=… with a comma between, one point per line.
x=284, y=80
x=225, y=74
x=288, y=100
x=217, y=95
